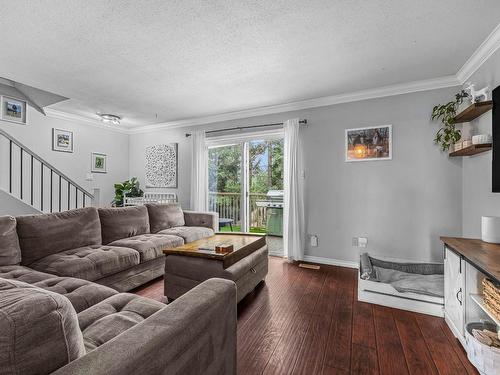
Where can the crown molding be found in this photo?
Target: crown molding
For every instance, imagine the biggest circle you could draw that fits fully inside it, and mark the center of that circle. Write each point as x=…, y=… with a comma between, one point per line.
x=380, y=92
x=54, y=113
x=487, y=48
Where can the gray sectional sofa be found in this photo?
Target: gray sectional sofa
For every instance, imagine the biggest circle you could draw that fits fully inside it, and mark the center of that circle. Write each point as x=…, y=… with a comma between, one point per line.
x=41, y=333
x=62, y=306
x=114, y=247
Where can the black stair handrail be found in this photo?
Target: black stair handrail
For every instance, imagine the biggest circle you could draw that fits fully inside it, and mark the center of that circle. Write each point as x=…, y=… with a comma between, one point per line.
x=53, y=170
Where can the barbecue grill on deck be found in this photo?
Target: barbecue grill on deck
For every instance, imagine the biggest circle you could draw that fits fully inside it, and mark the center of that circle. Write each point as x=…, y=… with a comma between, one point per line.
x=274, y=212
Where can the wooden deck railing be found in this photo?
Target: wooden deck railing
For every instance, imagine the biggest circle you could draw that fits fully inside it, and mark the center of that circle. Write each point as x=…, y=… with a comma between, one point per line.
x=228, y=205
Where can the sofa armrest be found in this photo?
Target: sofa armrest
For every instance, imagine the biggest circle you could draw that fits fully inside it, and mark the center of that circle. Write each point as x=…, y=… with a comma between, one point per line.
x=195, y=334
x=202, y=219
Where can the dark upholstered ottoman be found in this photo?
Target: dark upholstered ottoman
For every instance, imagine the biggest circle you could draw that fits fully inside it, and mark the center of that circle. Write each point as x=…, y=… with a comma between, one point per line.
x=184, y=270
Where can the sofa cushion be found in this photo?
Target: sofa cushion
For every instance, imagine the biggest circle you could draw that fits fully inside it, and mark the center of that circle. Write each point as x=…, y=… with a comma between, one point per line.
x=109, y=318
x=81, y=293
x=149, y=246
x=123, y=222
x=24, y=274
x=202, y=219
x=164, y=216
x=42, y=235
x=189, y=234
x=39, y=330
x=89, y=262
x=10, y=252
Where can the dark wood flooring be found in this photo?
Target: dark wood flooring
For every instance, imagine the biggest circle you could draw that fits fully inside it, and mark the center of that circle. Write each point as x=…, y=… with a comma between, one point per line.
x=303, y=321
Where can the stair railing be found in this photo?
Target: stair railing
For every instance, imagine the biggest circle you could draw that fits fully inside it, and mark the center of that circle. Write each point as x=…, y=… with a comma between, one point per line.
x=61, y=187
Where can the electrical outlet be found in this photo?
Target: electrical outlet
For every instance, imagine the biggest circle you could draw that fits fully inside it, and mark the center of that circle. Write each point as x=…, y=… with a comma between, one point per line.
x=314, y=241
x=355, y=241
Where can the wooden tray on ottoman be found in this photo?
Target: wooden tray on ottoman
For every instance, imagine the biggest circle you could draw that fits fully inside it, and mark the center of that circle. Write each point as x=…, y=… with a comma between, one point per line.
x=243, y=245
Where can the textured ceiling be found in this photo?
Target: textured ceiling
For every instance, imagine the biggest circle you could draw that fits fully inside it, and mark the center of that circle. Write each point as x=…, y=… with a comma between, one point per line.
x=156, y=61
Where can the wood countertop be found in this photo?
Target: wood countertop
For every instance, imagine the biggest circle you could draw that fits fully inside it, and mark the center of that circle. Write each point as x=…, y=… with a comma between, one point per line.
x=482, y=255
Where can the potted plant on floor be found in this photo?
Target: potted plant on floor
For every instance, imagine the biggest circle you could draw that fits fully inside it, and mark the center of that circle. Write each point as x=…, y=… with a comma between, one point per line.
x=130, y=188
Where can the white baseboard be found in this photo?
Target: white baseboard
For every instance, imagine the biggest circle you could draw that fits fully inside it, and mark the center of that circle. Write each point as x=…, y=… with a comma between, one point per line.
x=330, y=261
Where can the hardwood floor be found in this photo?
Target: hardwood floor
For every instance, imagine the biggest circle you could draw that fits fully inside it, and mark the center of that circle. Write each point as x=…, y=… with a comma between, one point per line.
x=304, y=321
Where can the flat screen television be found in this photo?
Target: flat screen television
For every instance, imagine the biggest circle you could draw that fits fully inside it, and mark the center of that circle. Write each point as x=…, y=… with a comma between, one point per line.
x=495, y=131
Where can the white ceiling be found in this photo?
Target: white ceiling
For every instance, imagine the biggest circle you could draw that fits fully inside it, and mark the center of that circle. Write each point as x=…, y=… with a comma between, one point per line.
x=158, y=61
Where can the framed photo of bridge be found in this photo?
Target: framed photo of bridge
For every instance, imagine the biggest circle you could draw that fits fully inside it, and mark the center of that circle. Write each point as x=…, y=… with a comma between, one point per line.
x=367, y=144
x=13, y=110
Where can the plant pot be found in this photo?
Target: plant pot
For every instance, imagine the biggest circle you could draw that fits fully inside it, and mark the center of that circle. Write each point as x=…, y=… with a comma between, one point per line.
x=465, y=104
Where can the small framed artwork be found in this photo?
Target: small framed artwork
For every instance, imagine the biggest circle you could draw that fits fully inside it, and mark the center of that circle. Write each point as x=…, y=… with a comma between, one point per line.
x=368, y=144
x=62, y=140
x=13, y=110
x=99, y=163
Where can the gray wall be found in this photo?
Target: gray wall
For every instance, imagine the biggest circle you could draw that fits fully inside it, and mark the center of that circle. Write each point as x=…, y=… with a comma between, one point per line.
x=402, y=206
x=14, y=207
x=37, y=135
x=138, y=144
x=478, y=200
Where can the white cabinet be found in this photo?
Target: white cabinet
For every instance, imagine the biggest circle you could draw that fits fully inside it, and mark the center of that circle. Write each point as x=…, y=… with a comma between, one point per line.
x=454, y=293
x=463, y=300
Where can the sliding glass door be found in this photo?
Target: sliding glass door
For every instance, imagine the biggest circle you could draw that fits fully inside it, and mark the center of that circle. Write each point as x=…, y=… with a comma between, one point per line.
x=246, y=184
x=225, y=185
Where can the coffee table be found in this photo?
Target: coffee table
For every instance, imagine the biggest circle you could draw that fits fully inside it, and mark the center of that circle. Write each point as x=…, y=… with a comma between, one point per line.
x=188, y=265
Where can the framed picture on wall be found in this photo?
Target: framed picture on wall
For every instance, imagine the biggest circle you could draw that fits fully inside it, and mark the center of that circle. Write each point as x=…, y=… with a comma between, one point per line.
x=161, y=166
x=62, y=140
x=13, y=110
x=368, y=144
x=99, y=163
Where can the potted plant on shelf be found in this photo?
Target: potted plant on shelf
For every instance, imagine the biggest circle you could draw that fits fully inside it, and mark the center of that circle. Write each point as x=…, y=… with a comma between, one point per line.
x=448, y=134
x=129, y=188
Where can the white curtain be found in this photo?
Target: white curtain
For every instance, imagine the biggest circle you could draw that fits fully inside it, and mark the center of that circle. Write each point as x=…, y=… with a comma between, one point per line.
x=293, y=218
x=199, y=172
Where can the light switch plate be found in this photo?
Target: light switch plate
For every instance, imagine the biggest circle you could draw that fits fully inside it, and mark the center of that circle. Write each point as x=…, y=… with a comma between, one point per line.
x=362, y=241
x=355, y=241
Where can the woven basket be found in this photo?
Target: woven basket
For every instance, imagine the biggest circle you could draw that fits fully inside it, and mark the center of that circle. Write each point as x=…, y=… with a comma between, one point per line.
x=491, y=294
x=485, y=358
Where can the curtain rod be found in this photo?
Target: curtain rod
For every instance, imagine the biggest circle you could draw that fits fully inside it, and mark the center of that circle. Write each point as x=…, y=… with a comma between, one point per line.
x=247, y=127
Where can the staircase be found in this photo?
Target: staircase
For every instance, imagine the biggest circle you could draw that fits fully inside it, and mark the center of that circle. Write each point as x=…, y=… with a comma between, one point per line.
x=33, y=181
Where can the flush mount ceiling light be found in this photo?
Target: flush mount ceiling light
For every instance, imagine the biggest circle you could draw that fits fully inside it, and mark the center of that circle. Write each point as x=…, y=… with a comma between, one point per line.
x=110, y=119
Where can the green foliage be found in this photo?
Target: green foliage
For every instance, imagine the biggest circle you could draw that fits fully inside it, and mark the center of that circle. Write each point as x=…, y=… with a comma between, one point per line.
x=130, y=188
x=448, y=134
x=225, y=169
x=266, y=166
x=265, y=161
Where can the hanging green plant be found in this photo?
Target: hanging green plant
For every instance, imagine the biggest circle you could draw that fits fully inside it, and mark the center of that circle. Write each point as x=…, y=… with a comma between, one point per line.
x=448, y=134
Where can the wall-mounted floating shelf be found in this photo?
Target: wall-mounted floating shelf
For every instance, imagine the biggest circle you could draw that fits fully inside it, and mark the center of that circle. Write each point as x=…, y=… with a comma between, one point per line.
x=473, y=111
x=472, y=150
